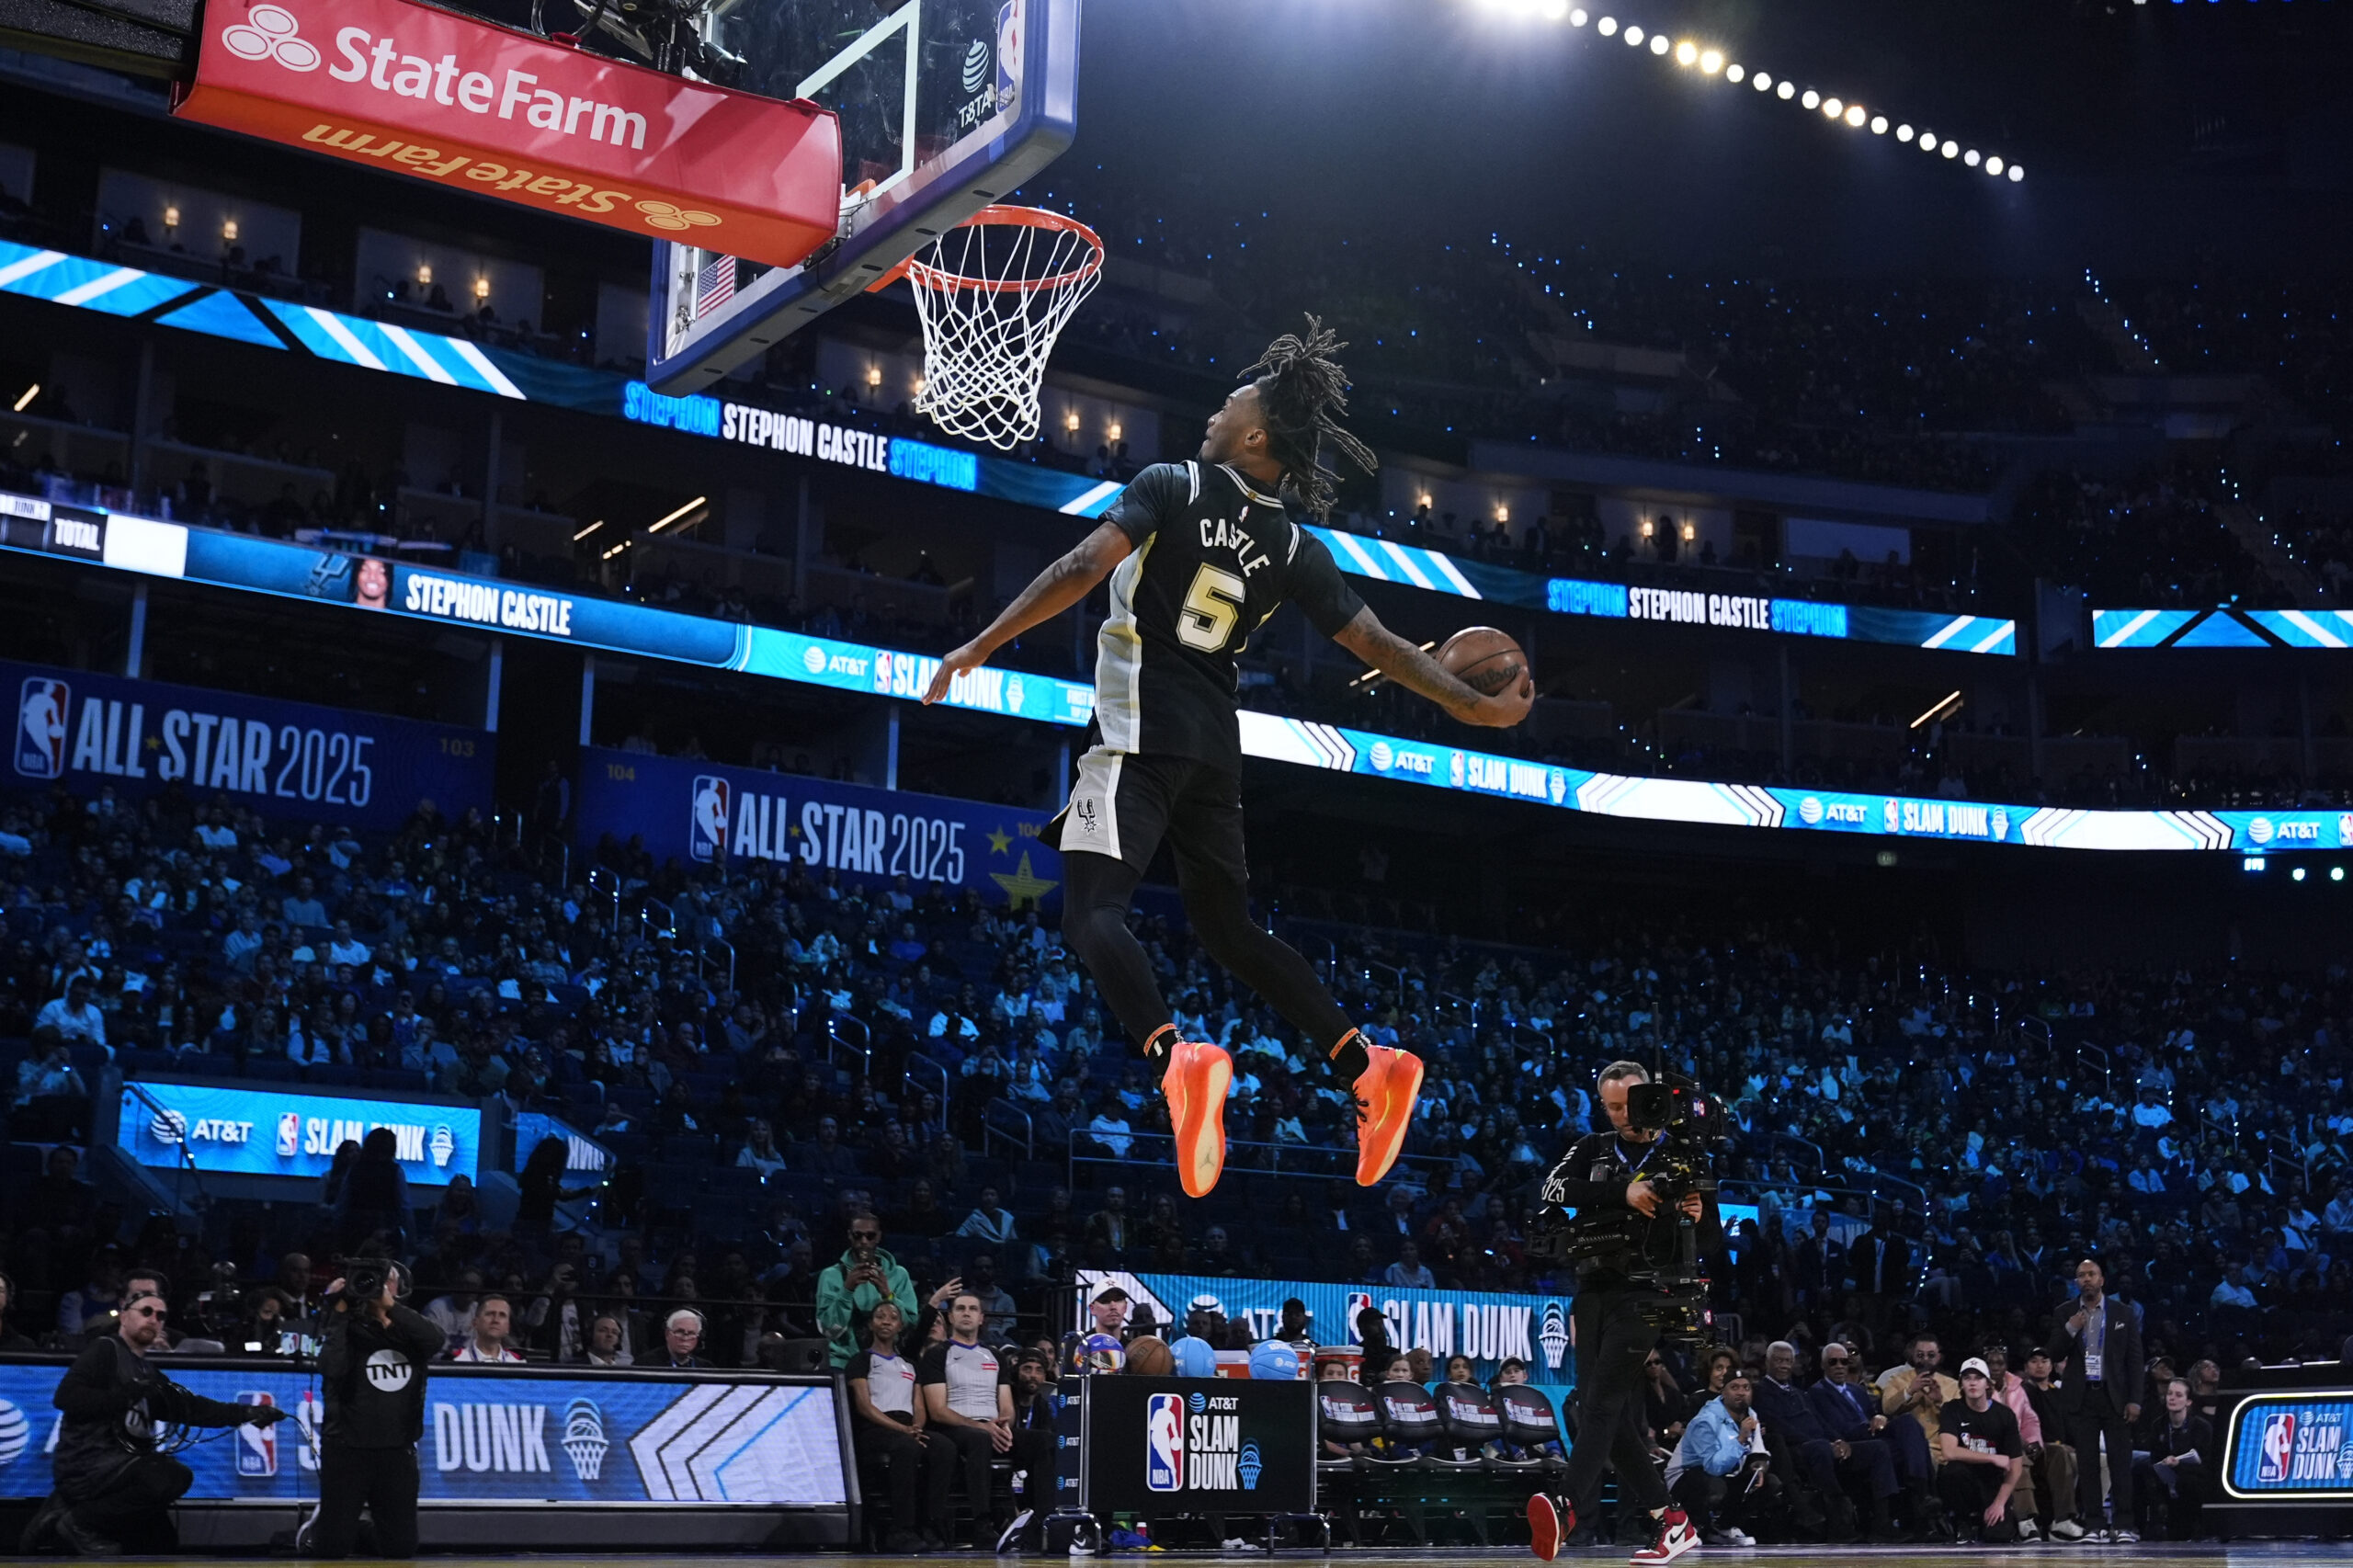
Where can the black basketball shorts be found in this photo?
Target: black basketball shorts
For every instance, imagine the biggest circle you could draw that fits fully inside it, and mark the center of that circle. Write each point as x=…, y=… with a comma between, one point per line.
x=1123, y=804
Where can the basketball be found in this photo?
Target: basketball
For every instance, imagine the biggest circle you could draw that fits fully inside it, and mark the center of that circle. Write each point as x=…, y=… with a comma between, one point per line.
x=1486, y=660
x=1151, y=1358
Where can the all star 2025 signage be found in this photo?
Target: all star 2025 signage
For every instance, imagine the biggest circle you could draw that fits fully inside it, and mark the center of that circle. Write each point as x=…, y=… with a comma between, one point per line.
x=480, y=107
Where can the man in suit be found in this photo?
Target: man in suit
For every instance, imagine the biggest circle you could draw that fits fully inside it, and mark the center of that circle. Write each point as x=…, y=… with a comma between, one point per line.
x=2099, y=1340
x=1821, y=1262
x=1879, y=1263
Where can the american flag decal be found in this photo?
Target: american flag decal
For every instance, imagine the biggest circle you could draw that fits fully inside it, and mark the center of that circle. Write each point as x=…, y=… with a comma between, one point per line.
x=714, y=285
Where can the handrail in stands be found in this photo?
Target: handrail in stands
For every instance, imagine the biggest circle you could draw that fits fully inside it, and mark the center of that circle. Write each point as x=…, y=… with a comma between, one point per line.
x=863, y=1045
x=1025, y=1138
x=907, y=1078
x=614, y=878
x=187, y=1166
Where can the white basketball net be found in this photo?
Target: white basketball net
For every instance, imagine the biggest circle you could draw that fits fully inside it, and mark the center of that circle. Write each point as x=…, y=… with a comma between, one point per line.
x=993, y=293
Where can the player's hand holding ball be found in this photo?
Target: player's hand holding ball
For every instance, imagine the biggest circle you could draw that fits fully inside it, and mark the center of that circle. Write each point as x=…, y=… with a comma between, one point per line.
x=1491, y=664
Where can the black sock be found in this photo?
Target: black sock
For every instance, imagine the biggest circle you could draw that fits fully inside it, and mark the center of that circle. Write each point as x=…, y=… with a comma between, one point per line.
x=1350, y=1057
x=1155, y=1049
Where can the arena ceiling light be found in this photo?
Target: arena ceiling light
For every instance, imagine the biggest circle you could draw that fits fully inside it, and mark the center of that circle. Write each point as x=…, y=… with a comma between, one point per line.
x=25, y=401
x=1693, y=54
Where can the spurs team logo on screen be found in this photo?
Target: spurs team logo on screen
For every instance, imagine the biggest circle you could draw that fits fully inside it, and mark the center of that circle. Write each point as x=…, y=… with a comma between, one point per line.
x=1164, y=1443
x=42, y=706
x=707, y=818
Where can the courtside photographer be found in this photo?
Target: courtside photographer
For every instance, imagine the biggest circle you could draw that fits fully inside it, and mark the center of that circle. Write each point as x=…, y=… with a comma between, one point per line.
x=372, y=1378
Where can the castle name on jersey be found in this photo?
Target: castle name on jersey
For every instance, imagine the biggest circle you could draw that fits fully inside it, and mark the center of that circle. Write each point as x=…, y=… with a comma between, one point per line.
x=1219, y=534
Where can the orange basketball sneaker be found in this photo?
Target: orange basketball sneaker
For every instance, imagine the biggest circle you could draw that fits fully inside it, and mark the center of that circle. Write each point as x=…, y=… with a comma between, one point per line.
x=1385, y=1092
x=1195, y=1083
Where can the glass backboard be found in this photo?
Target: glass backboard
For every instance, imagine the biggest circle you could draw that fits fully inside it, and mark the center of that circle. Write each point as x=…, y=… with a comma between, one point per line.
x=945, y=106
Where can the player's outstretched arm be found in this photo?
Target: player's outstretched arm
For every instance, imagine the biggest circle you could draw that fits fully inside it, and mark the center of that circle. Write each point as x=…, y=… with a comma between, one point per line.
x=1418, y=673
x=1054, y=590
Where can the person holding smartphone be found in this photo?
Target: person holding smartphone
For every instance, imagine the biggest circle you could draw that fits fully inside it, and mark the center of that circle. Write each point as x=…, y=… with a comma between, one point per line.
x=851, y=1287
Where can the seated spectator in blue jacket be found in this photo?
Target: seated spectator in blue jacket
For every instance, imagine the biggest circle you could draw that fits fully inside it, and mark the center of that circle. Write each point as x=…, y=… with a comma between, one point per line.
x=1721, y=1469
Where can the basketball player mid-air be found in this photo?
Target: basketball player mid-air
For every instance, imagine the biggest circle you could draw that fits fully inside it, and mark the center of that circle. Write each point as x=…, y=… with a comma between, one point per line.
x=1200, y=554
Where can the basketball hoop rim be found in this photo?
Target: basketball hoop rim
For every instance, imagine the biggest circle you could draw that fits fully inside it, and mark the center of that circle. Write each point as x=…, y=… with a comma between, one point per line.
x=925, y=276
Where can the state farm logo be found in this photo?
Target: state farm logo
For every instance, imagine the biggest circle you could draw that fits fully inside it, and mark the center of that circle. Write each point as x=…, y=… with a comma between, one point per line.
x=270, y=33
x=670, y=216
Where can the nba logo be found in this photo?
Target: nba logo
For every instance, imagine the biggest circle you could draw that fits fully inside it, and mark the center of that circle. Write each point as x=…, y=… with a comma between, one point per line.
x=289, y=1134
x=1008, y=55
x=308, y=1415
x=707, y=822
x=1358, y=1301
x=2271, y=1465
x=1164, y=1443
x=256, y=1446
x=42, y=708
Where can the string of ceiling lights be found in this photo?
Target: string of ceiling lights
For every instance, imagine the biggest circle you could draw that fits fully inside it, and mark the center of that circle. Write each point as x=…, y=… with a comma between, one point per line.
x=1689, y=55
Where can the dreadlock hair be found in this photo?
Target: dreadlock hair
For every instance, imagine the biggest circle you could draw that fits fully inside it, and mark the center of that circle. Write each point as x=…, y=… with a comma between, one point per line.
x=1301, y=395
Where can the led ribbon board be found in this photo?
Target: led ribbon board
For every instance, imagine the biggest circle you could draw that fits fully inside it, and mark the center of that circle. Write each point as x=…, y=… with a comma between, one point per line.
x=283, y=1132
x=242, y=560
x=2225, y=628
x=261, y=322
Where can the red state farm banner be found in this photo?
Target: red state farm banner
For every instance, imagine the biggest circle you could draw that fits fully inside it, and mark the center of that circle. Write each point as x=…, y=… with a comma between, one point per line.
x=481, y=107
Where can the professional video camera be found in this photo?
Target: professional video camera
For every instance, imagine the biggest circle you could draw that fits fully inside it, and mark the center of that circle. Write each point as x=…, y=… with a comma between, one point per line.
x=364, y=1279
x=1682, y=1161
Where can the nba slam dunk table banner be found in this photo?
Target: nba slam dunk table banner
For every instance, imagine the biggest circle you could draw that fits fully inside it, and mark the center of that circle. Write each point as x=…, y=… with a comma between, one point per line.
x=2292, y=1447
x=1158, y=1446
x=494, y=1435
x=1487, y=1326
x=694, y=812
x=280, y=758
x=283, y=1133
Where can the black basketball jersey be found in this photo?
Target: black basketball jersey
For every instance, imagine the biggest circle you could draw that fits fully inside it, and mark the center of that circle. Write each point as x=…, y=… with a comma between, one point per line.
x=1214, y=557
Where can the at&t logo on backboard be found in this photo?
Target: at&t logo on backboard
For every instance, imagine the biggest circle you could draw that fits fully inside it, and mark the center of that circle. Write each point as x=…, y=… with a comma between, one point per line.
x=42, y=708
x=707, y=822
x=2273, y=1459
x=1164, y=1443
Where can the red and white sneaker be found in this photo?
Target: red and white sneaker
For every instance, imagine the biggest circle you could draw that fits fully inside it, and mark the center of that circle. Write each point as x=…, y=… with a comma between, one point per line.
x=1550, y=1521
x=1675, y=1536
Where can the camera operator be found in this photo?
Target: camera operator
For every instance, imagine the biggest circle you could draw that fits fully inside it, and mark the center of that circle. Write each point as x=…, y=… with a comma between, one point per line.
x=371, y=1377
x=1602, y=1177
x=114, y=1490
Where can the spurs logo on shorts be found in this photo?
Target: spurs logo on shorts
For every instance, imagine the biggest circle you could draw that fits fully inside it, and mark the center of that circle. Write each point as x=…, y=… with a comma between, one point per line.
x=1085, y=812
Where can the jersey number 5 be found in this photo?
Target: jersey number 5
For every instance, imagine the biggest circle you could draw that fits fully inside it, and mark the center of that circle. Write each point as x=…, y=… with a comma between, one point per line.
x=1213, y=609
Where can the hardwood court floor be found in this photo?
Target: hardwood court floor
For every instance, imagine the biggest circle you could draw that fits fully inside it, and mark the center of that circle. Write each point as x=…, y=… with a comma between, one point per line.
x=2187, y=1554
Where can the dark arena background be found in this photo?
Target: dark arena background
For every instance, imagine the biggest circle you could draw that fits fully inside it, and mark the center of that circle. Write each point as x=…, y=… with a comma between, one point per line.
x=515, y=1005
